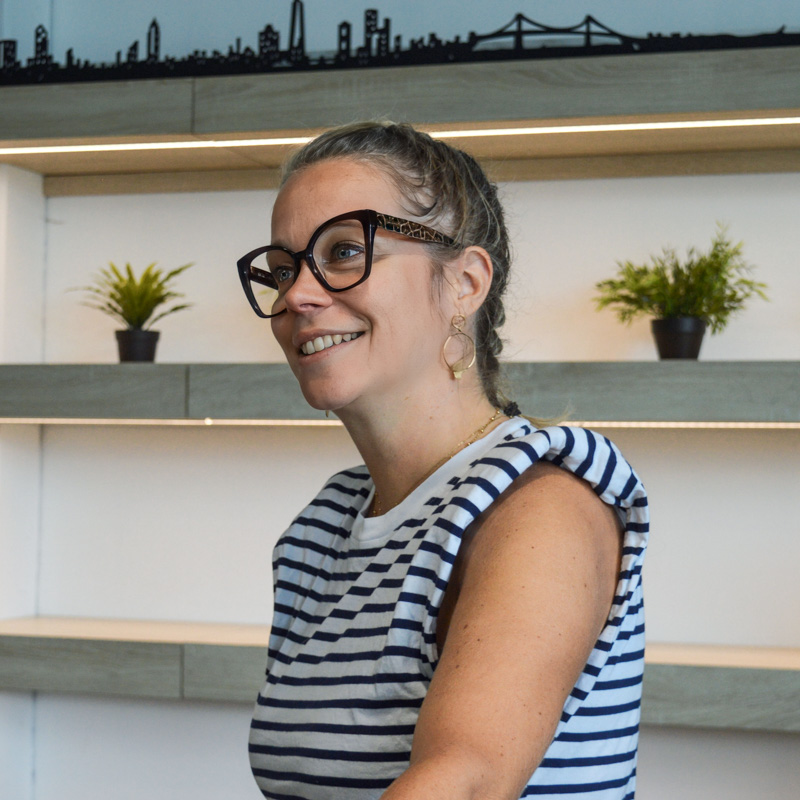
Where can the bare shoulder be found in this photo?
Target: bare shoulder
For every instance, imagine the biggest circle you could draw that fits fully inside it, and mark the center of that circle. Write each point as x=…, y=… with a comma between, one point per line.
x=549, y=519
x=548, y=526
x=546, y=488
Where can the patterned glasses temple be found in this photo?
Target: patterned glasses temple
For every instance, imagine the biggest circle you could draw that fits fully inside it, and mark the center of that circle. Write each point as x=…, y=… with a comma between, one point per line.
x=414, y=230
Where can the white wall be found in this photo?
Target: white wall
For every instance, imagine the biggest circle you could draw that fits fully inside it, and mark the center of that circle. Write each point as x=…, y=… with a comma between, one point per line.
x=22, y=247
x=92, y=747
x=567, y=236
x=199, y=546
x=20, y=469
x=683, y=764
x=22, y=256
x=210, y=230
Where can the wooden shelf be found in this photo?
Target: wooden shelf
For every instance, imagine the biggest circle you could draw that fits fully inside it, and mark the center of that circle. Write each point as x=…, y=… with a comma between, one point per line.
x=636, y=392
x=631, y=88
x=167, y=660
x=685, y=685
x=709, y=686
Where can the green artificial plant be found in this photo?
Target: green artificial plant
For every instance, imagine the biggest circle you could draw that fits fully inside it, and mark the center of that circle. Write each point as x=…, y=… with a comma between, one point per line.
x=711, y=285
x=134, y=301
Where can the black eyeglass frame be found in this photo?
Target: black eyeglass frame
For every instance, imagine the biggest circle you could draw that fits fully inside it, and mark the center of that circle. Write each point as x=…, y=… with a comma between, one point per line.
x=370, y=220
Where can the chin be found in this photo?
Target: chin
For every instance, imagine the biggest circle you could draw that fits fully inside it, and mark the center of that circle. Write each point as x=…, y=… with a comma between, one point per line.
x=317, y=403
x=324, y=398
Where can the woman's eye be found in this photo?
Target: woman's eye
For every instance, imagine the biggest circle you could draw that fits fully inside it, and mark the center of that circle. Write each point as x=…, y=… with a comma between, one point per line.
x=283, y=274
x=345, y=251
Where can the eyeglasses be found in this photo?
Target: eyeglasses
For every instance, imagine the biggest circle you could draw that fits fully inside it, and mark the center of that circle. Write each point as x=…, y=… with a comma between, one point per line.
x=339, y=255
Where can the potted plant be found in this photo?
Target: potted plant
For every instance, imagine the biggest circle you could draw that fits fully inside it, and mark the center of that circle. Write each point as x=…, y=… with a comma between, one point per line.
x=134, y=302
x=683, y=297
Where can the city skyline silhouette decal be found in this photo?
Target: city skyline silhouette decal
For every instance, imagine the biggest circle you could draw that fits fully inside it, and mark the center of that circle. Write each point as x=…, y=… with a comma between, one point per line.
x=521, y=38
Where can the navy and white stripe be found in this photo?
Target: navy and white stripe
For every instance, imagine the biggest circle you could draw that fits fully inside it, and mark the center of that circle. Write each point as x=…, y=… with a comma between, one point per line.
x=353, y=642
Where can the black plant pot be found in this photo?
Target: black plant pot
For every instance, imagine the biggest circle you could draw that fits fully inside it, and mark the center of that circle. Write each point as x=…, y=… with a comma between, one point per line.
x=137, y=345
x=678, y=337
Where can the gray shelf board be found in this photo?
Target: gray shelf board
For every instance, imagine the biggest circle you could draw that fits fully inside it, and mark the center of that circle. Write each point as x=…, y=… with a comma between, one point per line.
x=247, y=391
x=660, y=391
x=154, y=670
x=120, y=108
x=230, y=673
x=667, y=391
x=718, y=697
x=722, y=81
x=93, y=391
x=90, y=666
x=598, y=391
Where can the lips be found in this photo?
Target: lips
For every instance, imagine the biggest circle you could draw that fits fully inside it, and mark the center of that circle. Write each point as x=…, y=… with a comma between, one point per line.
x=324, y=342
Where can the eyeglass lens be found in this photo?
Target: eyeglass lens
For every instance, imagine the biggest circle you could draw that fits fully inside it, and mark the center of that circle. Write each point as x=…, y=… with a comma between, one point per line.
x=338, y=251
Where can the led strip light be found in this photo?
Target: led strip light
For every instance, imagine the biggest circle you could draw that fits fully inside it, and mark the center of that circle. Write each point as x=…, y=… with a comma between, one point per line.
x=611, y=127
x=335, y=423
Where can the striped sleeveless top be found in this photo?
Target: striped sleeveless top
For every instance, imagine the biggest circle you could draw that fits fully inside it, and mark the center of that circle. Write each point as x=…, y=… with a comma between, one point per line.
x=353, y=642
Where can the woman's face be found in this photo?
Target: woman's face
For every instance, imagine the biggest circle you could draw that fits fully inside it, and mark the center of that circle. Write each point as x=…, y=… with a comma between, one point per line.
x=396, y=319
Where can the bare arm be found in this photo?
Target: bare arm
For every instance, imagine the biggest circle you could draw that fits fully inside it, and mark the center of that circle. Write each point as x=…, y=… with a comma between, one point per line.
x=536, y=583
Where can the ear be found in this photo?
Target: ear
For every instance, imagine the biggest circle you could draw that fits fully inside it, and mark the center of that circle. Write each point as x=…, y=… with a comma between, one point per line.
x=470, y=276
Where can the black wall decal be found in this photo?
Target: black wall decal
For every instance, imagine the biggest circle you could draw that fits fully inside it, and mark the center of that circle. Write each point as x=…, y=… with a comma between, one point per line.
x=520, y=38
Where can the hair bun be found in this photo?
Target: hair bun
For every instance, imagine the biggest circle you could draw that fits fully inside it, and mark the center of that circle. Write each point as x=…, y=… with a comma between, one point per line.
x=511, y=409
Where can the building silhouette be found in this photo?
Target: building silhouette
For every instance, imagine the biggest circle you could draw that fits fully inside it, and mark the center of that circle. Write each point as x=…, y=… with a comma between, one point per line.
x=8, y=53
x=297, y=34
x=380, y=35
x=345, y=40
x=269, y=45
x=42, y=47
x=153, y=42
x=370, y=27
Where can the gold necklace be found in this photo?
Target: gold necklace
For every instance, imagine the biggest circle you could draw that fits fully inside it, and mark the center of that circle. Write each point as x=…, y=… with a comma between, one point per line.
x=377, y=509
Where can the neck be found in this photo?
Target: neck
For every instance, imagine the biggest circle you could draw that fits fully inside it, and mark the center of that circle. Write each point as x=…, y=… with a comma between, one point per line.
x=403, y=442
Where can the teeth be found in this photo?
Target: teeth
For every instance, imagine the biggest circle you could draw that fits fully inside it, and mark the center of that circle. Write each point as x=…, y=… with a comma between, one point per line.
x=324, y=342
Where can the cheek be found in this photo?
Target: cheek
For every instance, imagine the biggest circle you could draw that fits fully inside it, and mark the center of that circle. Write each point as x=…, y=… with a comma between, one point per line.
x=281, y=331
x=404, y=309
x=415, y=316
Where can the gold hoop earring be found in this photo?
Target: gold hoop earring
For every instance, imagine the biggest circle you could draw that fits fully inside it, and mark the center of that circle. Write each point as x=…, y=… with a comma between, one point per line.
x=458, y=367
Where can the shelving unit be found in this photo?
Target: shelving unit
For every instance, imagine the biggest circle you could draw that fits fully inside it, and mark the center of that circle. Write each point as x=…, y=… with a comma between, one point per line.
x=634, y=392
x=686, y=685
x=718, y=85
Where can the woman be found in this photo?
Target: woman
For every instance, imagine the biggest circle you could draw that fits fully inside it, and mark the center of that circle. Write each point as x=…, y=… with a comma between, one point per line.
x=460, y=617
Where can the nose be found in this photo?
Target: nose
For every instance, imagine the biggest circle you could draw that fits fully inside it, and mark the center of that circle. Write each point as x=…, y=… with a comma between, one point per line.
x=306, y=292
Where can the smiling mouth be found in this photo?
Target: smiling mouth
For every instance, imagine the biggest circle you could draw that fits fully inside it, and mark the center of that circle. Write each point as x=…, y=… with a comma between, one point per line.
x=324, y=342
